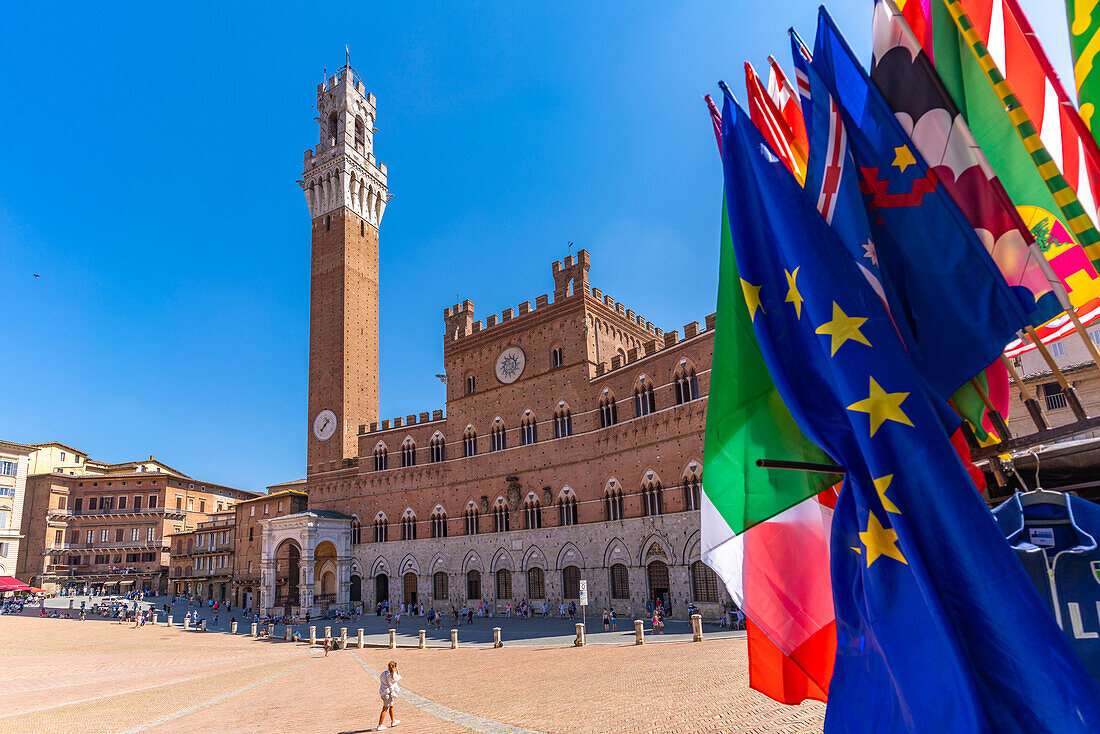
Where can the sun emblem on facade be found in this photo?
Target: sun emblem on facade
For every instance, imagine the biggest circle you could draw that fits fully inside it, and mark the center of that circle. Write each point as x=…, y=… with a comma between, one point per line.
x=510, y=364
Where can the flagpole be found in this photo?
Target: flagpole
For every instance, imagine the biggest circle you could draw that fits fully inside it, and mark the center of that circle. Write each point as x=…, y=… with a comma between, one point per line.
x=1029, y=401
x=999, y=423
x=1067, y=389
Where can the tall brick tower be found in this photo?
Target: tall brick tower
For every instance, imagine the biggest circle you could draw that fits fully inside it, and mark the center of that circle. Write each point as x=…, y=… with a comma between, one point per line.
x=345, y=187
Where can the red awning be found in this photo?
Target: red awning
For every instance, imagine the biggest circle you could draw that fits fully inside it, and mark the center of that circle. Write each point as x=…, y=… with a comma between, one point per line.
x=10, y=583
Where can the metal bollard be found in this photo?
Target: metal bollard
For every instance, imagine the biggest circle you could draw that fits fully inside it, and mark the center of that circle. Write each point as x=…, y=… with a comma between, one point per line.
x=454, y=639
x=255, y=630
x=696, y=628
x=312, y=635
x=169, y=620
x=360, y=638
x=579, y=642
x=496, y=637
x=233, y=627
x=420, y=645
x=639, y=633
x=393, y=639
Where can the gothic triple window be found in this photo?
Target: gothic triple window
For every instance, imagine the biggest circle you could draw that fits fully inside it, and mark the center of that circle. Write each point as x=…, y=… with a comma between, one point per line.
x=529, y=431
x=472, y=517
x=532, y=514
x=613, y=502
x=497, y=440
x=408, y=527
x=692, y=494
x=567, y=510
x=686, y=386
x=437, y=449
x=609, y=414
x=652, y=501
x=356, y=531
x=501, y=522
x=381, y=530
x=469, y=443
x=439, y=524
x=381, y=458
x=643, y=400
x=408, y=454
x=563, y=423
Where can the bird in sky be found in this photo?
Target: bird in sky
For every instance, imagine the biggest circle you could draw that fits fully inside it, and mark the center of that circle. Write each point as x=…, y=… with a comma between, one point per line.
x=35, y=274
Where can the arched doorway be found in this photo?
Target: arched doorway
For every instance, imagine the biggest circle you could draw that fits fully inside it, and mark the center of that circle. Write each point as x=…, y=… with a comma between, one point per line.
x=409, y=583
x=381, y=588
x=658, y=582
x=288, y=558
x=324, y=575
x=356, y=588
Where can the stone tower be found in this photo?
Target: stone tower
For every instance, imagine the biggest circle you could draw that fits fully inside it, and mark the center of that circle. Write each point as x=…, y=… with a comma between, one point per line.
x=345, y=188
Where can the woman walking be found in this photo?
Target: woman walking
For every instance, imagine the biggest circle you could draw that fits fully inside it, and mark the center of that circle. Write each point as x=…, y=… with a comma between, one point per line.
x=388, y=690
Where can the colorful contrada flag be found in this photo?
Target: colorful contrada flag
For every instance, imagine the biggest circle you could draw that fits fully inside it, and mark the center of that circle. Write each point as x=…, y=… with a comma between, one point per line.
x=1084, y=41
x=1011, y=143
x=775, y=128
x=941, y=283
x=1058, y=328
x=786, y=101
x=1015, y=48
x=921, y=575
x=765, y=531
x=902, y=72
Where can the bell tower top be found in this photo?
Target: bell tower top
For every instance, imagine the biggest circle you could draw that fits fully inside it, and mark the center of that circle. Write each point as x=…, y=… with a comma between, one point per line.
x=342, y=170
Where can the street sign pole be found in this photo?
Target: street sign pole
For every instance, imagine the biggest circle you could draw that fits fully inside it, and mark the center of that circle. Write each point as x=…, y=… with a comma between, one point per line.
x=584, y=599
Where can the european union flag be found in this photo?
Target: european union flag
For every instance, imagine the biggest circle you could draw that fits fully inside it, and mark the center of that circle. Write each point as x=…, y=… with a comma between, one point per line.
x=959, y=308
x=939, y=629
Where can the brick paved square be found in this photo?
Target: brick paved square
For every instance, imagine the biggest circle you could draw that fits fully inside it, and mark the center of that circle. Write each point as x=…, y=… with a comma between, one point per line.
x=95, y=676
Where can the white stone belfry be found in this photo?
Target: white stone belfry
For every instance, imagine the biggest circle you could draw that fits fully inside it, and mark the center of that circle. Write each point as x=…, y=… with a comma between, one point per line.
x=342, y=169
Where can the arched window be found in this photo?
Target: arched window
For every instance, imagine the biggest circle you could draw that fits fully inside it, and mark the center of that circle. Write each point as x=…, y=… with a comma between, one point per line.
x=408, y=453
x=571, y=582
x=437, y=449
x=504, y=584
x=620, y=582
x=609, y=414
x=686, y=385
x=439, y=585
x=532, y=514
x=439, y=523
x=643, y=399
x=408, y=527
x=381, y=457
x=652, y=501
x=563, y=423
x=381, y=529
x=360, y=132
x=356, y=531
x=557, y=357
x=536, y=583
x=473, y=585
x=692, y=493
x=333, y=126
x=497, y=439
x=472, y=517
x=704, y=583
x=500, y=518
x=529, y=431
x=469, y=442
x=613, y=503
x=471, y=384
x=567, y=510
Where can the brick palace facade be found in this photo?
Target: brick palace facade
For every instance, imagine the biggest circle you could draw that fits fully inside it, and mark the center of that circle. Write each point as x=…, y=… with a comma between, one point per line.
x=571, y=445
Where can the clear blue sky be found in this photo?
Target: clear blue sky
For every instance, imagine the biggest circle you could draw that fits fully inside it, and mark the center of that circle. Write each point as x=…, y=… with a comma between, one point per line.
x=150, y=160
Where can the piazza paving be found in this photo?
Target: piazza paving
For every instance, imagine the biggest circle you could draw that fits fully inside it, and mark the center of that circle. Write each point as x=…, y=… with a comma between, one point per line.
x=99, y=676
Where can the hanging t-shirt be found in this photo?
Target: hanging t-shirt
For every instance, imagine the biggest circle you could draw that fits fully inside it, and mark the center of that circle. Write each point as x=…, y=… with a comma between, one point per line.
x=1058, y=547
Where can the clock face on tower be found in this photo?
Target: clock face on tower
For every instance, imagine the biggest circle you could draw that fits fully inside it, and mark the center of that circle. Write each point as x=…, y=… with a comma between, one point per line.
x=324, y=425
x=510, y=365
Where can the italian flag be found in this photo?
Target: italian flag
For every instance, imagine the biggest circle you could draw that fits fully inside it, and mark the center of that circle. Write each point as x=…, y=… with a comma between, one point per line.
x=764, y=531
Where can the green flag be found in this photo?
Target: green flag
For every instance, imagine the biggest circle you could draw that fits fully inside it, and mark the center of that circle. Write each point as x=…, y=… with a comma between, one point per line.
x=1011, y=144
x=747, y=420
x=1084, y=41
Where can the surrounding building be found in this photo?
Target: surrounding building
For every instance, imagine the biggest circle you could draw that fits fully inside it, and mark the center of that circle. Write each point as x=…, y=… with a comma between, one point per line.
x=201, y=560
x=571, y=448
x=287, y=498
x=14, y=460
x=105, y=526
